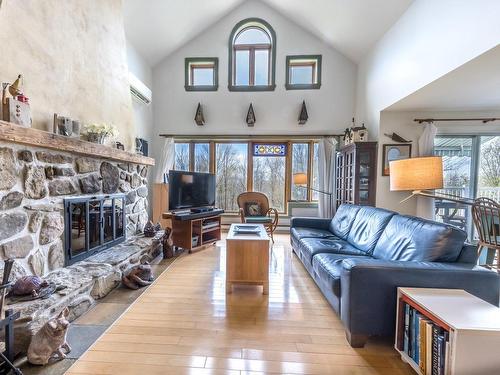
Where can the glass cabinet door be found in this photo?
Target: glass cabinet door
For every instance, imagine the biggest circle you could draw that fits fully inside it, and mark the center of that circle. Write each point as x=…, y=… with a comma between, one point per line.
x=364, y=176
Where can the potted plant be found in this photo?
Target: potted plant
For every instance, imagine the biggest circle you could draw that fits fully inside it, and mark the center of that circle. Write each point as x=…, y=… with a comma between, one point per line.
x=98, y=133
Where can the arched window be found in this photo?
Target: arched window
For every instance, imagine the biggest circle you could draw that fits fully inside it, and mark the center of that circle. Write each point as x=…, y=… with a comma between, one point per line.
x=252, y=54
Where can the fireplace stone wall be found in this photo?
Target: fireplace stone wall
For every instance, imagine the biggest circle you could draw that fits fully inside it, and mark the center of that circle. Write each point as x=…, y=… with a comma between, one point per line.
x=33, y=183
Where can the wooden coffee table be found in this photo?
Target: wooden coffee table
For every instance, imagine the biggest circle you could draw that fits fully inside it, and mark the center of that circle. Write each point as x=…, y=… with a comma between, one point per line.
x=247, y=257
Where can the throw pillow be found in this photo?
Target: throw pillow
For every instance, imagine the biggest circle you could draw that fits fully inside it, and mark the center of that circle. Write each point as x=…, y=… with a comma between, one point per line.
x=252, y=209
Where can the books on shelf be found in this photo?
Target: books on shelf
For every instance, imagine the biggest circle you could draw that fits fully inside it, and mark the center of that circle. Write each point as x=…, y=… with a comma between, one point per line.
x=425, y=342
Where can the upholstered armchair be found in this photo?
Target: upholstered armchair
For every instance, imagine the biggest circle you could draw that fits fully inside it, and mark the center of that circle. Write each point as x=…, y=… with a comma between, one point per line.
x=254, y=209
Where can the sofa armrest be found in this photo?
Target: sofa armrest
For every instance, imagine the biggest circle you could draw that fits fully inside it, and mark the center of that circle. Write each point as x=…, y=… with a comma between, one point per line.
x=369, y=288
x=310, y=222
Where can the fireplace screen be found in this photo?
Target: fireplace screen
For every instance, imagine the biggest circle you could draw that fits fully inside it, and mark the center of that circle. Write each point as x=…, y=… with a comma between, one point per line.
x=92, y=224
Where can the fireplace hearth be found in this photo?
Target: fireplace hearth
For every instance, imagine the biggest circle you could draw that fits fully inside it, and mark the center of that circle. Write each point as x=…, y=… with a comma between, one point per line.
x=92, y=224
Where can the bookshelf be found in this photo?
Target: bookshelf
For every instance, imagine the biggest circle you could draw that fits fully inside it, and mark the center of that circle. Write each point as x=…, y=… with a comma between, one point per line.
x=470, y=328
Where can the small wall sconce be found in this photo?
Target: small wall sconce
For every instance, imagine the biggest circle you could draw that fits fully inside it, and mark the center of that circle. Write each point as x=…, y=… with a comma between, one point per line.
x=250, y=116
x=198, y=117
x=303, y=116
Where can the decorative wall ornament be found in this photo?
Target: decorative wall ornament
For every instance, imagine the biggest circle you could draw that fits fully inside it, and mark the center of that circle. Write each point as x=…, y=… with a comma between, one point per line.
x=396, y=138
x=303, y=116
x=198, y=117
x=355, y=133
x=250, y=116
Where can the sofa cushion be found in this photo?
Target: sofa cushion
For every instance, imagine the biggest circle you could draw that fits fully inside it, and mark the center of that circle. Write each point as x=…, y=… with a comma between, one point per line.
x=342, y=221
x=328, y=267
x=302, y=232
x=368, y=227
x=312, y=246
x=410, y=238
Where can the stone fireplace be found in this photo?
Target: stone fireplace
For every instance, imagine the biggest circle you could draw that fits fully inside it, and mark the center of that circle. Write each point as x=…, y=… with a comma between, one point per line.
x=42, y=176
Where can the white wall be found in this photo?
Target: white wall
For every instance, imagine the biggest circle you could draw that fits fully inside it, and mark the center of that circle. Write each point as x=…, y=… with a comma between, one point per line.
x=142, y=113
x=330, y=108
x=402, y=123
x=431, y=39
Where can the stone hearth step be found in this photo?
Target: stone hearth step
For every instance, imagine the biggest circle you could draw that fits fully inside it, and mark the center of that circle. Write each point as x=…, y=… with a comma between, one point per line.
x=83, y=283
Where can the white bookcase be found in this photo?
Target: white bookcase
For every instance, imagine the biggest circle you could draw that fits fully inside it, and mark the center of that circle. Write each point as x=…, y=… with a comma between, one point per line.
x=473, y=326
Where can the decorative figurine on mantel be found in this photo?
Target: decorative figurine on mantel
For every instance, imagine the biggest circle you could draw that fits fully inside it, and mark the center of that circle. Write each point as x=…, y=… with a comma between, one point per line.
x=50, y=341
x=16, y=109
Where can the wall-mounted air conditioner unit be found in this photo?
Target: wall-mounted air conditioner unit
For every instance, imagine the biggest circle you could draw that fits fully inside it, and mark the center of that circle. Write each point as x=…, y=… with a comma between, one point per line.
x=139, y=90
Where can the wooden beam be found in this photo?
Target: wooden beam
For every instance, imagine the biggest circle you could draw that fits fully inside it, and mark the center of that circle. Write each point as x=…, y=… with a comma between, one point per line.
x=38, y=138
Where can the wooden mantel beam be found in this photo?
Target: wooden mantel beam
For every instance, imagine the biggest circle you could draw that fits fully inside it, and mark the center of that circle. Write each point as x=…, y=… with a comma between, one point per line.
x=38, y=138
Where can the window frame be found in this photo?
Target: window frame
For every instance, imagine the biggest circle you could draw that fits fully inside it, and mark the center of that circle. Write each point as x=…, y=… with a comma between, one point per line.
x=315, y=60
x=202, y=62
x=232, y=48
x=473, y=170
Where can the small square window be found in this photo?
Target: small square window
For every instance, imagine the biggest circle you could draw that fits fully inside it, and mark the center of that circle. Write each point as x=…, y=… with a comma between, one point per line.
x=303, y=72
x=201, y=74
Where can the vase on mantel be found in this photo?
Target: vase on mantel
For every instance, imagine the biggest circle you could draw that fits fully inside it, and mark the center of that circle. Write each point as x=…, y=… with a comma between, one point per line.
x=96, y=138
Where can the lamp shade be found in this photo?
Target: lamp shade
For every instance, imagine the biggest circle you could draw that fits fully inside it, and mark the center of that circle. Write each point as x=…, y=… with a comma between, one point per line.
x=424, y=173
x=300, y=179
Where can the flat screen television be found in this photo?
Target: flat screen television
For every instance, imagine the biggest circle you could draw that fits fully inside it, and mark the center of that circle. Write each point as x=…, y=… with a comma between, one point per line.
x=190, y=190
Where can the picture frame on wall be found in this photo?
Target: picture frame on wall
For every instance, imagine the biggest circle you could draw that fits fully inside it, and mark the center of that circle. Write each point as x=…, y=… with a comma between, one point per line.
x=391, y=152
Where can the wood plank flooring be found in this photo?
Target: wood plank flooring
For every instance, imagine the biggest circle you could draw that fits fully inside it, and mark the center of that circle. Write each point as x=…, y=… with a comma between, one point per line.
x=186, y=324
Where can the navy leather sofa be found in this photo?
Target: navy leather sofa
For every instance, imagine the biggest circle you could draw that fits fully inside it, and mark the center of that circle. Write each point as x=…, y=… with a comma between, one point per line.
x=363, y=254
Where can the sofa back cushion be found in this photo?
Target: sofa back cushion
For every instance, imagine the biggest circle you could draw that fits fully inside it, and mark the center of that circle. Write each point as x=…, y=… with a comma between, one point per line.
x=342, y=221
x=367, y=227
x=409, y=238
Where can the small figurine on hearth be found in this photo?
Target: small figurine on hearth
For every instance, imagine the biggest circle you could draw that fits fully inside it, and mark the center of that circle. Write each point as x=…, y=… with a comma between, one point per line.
x=149, y=229
x=168, y=244
x=50, y=341
x=138, y=276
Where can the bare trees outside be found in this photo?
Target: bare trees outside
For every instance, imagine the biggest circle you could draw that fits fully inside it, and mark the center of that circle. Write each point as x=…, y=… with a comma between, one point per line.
x=231, y=174
x=269, y=178
x=300, y=158
x=202, y=157
x=181, y=162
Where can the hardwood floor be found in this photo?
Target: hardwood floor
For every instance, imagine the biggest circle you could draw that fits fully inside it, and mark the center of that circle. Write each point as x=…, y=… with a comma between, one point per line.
x=186, y=324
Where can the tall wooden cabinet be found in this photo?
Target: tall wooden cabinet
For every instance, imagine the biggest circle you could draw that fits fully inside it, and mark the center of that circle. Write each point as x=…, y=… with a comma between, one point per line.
x=356, y=174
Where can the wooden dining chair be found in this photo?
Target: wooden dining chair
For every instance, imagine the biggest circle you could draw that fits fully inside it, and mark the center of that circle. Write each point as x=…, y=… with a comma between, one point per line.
x=254, y=209
x=486, y=216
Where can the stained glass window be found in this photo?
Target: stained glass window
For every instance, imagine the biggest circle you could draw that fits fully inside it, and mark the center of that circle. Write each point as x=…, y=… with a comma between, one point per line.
x=261, y=149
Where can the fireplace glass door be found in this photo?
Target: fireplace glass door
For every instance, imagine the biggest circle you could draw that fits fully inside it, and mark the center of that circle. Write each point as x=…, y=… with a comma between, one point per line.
x=92, y=225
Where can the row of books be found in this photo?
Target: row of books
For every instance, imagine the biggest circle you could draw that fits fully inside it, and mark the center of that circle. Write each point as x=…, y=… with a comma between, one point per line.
x=425, y=342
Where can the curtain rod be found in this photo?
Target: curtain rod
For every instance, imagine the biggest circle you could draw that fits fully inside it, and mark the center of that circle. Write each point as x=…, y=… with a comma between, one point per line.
x=430, y=120
x=212, y=137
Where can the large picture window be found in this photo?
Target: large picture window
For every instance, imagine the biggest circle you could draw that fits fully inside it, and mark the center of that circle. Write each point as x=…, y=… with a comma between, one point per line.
x=245, y=165
x=231, y=174
x=268, y=176
x=252, y=54
x=471, y=169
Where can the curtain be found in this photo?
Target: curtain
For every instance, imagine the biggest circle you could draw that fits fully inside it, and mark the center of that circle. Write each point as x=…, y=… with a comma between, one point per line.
x=166, y=160
x=425, y=206
x=326, y=167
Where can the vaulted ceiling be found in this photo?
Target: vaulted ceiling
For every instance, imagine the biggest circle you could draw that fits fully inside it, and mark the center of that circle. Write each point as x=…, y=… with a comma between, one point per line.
x=473, y=86
x=158, y=27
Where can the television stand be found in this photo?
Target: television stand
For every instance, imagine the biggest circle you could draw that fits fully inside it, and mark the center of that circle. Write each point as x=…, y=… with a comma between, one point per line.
x=194, y=231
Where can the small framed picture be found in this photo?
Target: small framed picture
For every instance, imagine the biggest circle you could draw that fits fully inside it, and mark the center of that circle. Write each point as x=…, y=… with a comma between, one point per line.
x=394, y=152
